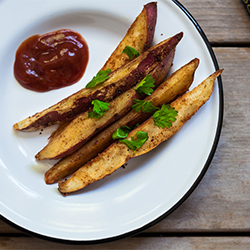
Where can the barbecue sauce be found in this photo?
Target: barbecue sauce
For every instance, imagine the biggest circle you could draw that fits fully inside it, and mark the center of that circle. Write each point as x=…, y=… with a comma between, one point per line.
x=51, y=61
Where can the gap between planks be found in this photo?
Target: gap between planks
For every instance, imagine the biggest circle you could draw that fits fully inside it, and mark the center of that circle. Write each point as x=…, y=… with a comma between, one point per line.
x=230, y=44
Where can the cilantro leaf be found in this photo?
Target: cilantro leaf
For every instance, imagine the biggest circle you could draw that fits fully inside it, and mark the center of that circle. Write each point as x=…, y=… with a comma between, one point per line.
x=146, y=106
x=98, y=109
x=136, y=144
x=145, y=86
x=131, y=52
x=121, y=132
x=165, y=116
x=100, y=77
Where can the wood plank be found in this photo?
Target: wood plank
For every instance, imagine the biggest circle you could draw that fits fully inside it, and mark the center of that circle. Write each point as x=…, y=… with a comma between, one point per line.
x=221, y=201
x=188, y=243
x=222, y=21
x=6, y=228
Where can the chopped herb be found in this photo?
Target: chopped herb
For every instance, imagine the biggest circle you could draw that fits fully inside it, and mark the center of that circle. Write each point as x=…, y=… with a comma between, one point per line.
x=100, y=77
x=121, y=132
x=137, y=124
x=146, y=85
x=98, y=109
x=146, y=106
x=136, y=144
x=165, y=116
x=131, y=52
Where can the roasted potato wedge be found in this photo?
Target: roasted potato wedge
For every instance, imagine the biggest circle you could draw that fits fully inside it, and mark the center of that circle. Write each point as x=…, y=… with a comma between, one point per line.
x=118, y=153
x=174, y=86
x=120, y=80
x=80, y=129
x=139, y=36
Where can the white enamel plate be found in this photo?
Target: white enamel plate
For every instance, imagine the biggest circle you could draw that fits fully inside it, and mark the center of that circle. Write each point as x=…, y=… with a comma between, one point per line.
x=151, y=186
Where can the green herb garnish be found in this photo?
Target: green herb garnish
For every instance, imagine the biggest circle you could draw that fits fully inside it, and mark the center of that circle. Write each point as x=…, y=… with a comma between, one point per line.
x=131, y=52
x=121, y=132
x=146, y=85
x=146, y=106
x=98, y=109
x=165, y=116
x=100, y=77
x=136, y=144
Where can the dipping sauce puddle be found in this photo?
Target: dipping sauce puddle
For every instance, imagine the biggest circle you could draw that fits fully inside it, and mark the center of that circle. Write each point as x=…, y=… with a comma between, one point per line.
x=51, y=61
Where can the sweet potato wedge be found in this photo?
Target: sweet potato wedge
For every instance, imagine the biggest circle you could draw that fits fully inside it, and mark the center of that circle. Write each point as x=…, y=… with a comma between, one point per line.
x=118, y=153
x=120, y=80
x=80, y=129
x=175, y=85
x=139, y=36
x=98, y=143
x=158, y=74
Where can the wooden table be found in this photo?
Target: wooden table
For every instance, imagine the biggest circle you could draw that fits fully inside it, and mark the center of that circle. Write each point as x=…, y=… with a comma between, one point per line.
x=217, y=214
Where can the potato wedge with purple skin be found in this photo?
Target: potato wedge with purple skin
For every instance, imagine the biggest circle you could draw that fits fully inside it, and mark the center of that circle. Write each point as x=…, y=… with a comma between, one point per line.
x=80, y=129
x=175, y=85
x=120, y=80
x=118, y=153
x=139, y=36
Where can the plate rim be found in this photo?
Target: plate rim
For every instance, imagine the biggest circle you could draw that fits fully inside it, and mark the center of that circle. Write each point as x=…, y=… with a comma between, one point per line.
x=191, y=189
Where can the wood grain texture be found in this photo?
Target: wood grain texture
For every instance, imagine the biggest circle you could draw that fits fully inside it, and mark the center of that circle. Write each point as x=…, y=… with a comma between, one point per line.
x=223, y=22
x=140, y=243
